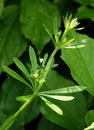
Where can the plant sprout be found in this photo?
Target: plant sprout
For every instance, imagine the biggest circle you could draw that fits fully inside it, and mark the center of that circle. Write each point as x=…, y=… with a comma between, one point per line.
x=37, y=74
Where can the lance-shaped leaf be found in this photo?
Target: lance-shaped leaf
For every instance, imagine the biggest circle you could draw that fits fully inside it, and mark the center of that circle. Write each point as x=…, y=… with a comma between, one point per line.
x=59, y=97
x=52, y=106
x=16, y=76
x=24, y=98
x=21, y=66
x=73, y=47
x=55, y=26
x=33, y=59
x=45, y=58
x=71, y=89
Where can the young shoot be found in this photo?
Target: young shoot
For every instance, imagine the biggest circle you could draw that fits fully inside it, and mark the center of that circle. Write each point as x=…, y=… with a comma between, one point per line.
x=36, y=76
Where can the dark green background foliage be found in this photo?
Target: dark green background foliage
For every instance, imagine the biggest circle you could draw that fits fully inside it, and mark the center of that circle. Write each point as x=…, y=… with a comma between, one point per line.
x=22, y=24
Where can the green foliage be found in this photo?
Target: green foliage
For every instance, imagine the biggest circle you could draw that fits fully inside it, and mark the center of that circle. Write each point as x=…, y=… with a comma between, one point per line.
x=1, y=6
x=42, y=83
x=12, y=42
x=81, y=69
x=84, y=12
x=85, y=2
x=46, y=124
x=68, y=118
x=34, y=14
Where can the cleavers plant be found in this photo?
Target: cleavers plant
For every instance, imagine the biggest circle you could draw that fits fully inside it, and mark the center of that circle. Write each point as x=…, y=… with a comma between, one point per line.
x=38, y=70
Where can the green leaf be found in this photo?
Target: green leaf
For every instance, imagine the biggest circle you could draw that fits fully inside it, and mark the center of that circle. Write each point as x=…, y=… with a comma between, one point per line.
x=55, y=26
x=33, y=59
x=80, y=61
x=1, y=6
x=45, y=124
x=35, y=13
x=45, y=58
x=23, y=98
x=52, y=106
x=73, y=113
x=91, y=127
x=56, y=82
x=84, y=12
x=17, y=126
x=71, y=89
x=89, y=117
x=11, y=88
x=21, y=66
x=59, y=97
x=16, y=76
x=2, y=117
x=85, y=2
x=12, y=42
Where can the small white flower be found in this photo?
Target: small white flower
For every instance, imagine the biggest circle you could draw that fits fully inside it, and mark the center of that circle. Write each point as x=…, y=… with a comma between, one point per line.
x=41, y=60
x=74, y=23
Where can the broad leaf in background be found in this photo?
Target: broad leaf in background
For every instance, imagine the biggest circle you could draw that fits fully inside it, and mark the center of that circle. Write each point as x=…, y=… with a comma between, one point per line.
x=12, y=42
x=17, y=126
x=1, y=6
x=45, y=124
x=84, y=12
x=73, y=111
x=56, y=81
x=10, y=90
x=85, y=2
x=35, y=13
x=90, y=117
x=2, y=117
x=80, y=61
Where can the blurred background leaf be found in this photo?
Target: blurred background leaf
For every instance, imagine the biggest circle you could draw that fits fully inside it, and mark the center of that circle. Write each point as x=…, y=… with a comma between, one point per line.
x=35, y=13
x=10, y=90
x=80, y=61
x=73, y=111
x=12, y=42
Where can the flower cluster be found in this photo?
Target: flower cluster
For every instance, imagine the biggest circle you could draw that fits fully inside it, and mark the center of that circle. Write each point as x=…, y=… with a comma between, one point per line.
x=70, y=23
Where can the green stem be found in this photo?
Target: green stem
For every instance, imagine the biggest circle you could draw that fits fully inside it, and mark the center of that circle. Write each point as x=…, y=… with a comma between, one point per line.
x=11, y=119
x=7, y=124
x=49, y=63
x=24, y=106
x=47, y=68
